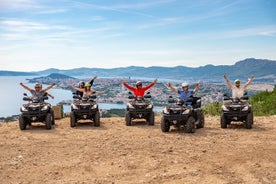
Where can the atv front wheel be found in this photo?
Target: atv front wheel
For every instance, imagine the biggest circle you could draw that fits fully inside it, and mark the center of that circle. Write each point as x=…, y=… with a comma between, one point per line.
x=201, y=120
x=249, y=120
x=151, y=119
x=22, y=123
x=48, y=121
x=190, y=125
x=128, y=119
x=73, y=120
x=165, y=125
x=97, y=119
x=53, y=117
x=223, y=122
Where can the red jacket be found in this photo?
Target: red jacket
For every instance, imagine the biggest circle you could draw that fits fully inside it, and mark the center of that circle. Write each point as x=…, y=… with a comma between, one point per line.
x=138, y=91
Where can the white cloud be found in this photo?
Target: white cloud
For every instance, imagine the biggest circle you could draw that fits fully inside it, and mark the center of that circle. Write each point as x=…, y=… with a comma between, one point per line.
x=21, y=26
x=19, y=4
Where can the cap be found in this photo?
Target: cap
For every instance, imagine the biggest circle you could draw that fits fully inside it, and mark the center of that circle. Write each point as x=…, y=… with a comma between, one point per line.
x=237, y=81
x=37, y=85
x=184, y=84
x=138, y=83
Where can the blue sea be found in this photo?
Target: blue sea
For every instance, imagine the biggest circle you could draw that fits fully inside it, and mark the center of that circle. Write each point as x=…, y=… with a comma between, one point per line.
x=12, y=94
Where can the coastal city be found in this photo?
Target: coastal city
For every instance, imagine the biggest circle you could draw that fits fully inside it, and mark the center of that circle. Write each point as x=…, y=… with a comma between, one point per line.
x=117, y=93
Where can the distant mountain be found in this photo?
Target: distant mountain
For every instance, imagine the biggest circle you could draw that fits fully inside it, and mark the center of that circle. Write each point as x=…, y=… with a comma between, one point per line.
x=59, y=76
x=54, y=77
x=13, y=73
x=260, y=68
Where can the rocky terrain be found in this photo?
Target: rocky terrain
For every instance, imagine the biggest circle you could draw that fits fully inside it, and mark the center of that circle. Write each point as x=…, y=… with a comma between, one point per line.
x=138, y=154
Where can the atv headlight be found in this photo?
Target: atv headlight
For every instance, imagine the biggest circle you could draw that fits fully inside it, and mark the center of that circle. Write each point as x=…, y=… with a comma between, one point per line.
x=129, y=105
x=44, y=108
x=166, y=111
x=94, y=106
x=187, y=111
x=73, y=106
x=23, y=109
x=149, y=106
x=224, y=108
x=245, y=108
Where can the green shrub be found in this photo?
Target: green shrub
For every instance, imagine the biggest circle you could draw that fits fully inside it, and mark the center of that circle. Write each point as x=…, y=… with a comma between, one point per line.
x=264, y=103
x=212, y=108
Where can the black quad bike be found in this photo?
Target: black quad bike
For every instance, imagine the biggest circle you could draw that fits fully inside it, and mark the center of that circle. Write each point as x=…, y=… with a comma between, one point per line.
x=36, y=110
x=139, y=108
x=180, y=114
x=84, y=108
x=236, y=109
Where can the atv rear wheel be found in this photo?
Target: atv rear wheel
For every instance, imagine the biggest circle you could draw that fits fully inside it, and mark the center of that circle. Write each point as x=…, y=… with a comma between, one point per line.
x=73, y=120
x=97, y=119
x=48, y=121
x=165, y=125
x=128, y=119
x=223, y=122
x=151, y=119
x=22, y=123
x=190, y=125
x=249, y=120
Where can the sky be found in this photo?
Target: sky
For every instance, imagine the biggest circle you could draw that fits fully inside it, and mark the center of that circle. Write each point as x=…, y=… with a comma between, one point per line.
x=65, y=34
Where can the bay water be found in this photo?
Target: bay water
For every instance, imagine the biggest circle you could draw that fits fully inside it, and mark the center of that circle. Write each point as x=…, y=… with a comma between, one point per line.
x=12, y=94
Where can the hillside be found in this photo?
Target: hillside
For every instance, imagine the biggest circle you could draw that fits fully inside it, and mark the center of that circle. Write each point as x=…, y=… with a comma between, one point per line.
x=52, y=78
x=262, y=69
x=138, y=154
x=14, y=73
x=241, y=69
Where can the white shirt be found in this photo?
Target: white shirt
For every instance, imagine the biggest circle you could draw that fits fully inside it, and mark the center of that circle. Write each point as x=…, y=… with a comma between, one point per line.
x=237, y=92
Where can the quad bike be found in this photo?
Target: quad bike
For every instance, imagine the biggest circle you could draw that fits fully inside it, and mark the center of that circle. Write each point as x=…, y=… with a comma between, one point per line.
x=36, y=110
x=236, y=109
x=186, y=114
x=139, y=108
x=84, y=108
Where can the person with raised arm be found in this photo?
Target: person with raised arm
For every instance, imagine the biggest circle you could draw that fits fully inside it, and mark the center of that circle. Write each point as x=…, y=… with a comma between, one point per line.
x=38, y=91
x=237, y=89
x=139, y=90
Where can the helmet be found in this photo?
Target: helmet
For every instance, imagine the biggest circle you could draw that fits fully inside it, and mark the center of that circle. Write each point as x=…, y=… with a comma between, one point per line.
x=138, y=83
x=184, y=84
x=81, y=84
x=237, y=81
x=87, y=84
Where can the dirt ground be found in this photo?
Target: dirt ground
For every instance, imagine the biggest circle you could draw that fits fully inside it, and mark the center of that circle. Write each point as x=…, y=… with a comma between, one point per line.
x=138, y=154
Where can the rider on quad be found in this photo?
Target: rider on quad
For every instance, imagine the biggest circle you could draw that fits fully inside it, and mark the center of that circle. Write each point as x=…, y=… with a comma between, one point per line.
x=237, y=107
x=186, y=96
x=36, y=110
x=185, y=93
x=37, y=91
x=81, y=85
x=139, y=108
x=237, y=89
